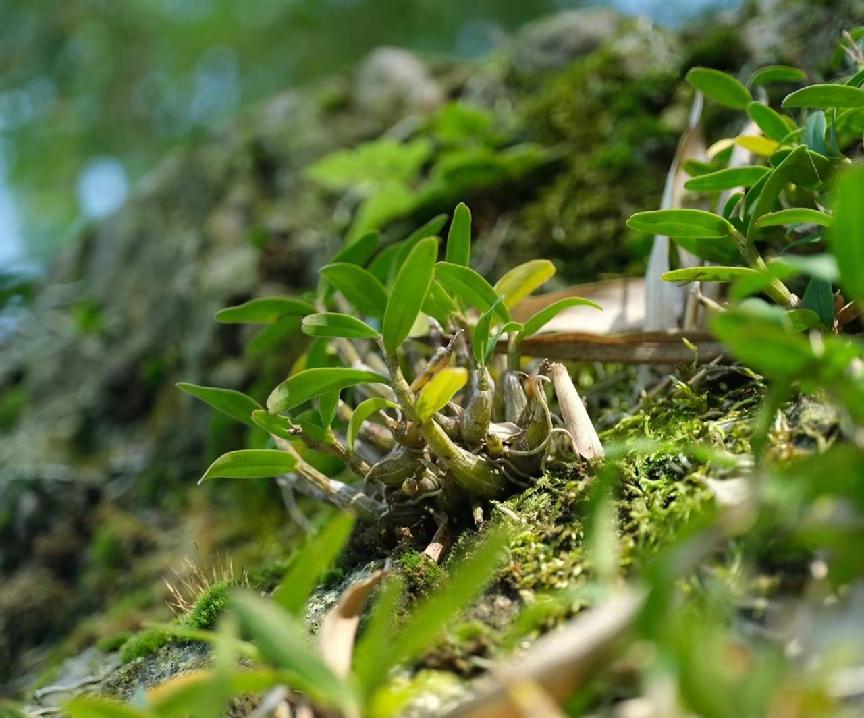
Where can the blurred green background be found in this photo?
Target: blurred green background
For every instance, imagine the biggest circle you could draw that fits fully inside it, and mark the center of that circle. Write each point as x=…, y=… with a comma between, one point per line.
x=93, y=91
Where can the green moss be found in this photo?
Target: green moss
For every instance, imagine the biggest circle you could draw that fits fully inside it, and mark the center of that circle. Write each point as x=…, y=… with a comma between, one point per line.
x=114, y=642
x=143, y=643
x=421, y=574
x=208, y=607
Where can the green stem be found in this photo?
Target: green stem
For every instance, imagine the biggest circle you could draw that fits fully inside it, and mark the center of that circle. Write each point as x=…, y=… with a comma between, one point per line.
x=775, y=289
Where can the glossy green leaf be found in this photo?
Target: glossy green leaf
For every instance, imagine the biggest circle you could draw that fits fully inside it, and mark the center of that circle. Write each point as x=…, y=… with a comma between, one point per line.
x=796, y=165
x=547, y=314
x=360, y=251
x=250, y=464
x=796, y=215
x=274, y=424
x=825, y=97
x=440, y=389
x=523, y=279
x=359, y=286
x=681, y=223
x=776, y=73
x=459, y=237
x=439, y=303
x=708, y=274
x=480, y=337
x=90, y=706
x=334, y=324
x=409, y=292
x=311, y=562
x=327, y=406
x=719, y=87
x=470, y=287
x=846, y=237
x=231, y=403
x=726, y=179
x=309, y=383
x=364, y=410
x=281, y=638
x=264, y=310
x=769, y=121
x=819, y=298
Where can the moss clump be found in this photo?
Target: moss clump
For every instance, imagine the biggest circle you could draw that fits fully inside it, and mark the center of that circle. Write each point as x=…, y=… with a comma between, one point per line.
x=208, y=607
x=114, y=642
x=143, y=643
x=422, y=575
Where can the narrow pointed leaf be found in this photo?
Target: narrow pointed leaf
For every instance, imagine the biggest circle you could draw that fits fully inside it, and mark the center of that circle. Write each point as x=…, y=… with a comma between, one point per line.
x=308, y=384
x=522, y=280
x=459, y=237
x=231, y=403
x=709, y=274
x=364, y=410
x=264, y=310
x=470, y=287
x=480, y=338
x=409, y=292
x=547, y=314
x=440, y=389
x=681, y=223
x=359, y=286
x=797, y=215
x=825, y=97
x=360, y=251
x=719, y=87
x=250, y=464
x=333, y=324
x=847, y=235
x=726, y=179
x=327, y=405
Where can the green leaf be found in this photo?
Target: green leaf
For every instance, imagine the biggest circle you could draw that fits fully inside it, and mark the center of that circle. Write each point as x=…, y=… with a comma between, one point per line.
x=426, y=624
x=681, y=223
x=459, y=237
x=264, y=310
x=796, y=215
x=439, y=303
x=273, y=424
x=776, y=73
x=281, y=638
x=522, y=280
x=311, y=562
x=409, y=292
x=470, y=287
x=375, y=643
x=769, y=121
x=708, y=274
x=726, y=179
x=364, y=410
x=334, y=324
x=480, y=338
x=846, y=237
x=719, y=87
x=328, y=404
x=440, y=389
x=309, y=383
x=359, y=286
x=88, y=706
x=547, y=314
x=231, y=403
x=819, y=297
x=825, y=97
x=795, y=167
x=360, y=251
x=250, y=464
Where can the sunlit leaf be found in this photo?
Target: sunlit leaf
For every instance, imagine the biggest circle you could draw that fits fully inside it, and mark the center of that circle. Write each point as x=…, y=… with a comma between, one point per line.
x=776, y=73
x=311, y=562
x=250, y=464
x=264, y=310
x=726, y=179
x=547, y=314
x=376, y=641
x=231, y=403
x=719, y=87
x=523, y=279
x=90, y=706
x=364, y=410
x=459, y=237
x=846, y=237
x=796, y=215
x=769, y=121
x=310, y=383
x=758, y=145
x=470, y=287
x=708, y=274
x=333, y=324
x=440, y=389
x=681, y=223
x=359, y=286
x=327, y=406
x=409, y=292
x=825, y=97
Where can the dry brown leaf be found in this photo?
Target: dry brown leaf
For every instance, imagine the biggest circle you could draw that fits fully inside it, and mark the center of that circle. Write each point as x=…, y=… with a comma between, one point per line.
x=533, y=701
x=339, y=626
x=576, y=420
